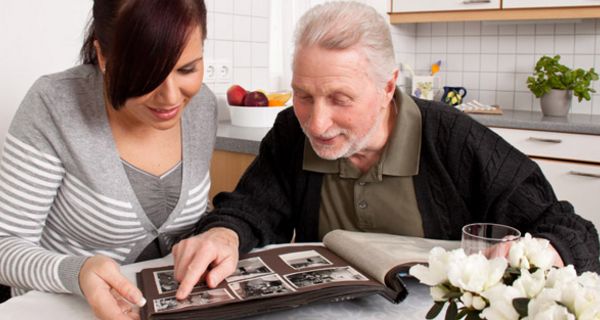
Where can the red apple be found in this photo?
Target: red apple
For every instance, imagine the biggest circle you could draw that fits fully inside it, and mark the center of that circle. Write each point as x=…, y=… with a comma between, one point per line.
x=256, y=99
x=236, y=95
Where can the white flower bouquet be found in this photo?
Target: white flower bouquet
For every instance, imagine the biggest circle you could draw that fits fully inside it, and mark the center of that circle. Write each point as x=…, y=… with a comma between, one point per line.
x=524, y=286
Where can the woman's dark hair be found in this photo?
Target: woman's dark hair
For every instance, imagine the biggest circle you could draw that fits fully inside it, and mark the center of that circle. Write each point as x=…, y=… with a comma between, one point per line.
x=141, y=41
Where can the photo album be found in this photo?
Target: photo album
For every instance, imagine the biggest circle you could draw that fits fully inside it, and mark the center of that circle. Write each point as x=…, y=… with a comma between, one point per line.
x=347, y=265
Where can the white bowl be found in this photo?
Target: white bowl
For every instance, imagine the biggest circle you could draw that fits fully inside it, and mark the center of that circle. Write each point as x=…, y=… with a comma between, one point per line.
x=257, y=117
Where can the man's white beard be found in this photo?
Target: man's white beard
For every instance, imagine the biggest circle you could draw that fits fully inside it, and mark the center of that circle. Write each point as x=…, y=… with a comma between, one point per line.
x=353, y=144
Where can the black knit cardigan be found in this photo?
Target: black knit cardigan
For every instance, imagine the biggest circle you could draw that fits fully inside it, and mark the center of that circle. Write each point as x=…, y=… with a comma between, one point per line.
x=467, y=174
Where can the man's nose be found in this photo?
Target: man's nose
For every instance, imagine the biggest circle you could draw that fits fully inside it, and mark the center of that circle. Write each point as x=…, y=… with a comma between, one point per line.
x=320, y=118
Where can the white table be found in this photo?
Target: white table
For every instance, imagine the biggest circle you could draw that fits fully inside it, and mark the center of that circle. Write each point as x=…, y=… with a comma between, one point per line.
x=36, y=305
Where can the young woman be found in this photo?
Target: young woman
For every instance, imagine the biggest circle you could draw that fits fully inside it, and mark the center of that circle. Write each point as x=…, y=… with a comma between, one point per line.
x=107, y=163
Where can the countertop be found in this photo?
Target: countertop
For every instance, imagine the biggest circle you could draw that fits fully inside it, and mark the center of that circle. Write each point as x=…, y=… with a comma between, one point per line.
x=247, y=140
x=573, y=123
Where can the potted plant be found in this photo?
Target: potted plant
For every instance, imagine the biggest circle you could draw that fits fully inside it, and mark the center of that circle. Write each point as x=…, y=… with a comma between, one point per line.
x=556, y=84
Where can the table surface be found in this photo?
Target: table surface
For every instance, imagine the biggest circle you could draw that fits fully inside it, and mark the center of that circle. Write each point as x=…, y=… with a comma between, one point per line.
x=39, y=305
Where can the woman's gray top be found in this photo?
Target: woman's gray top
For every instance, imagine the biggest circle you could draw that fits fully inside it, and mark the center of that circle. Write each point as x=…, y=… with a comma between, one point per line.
x=158, y=196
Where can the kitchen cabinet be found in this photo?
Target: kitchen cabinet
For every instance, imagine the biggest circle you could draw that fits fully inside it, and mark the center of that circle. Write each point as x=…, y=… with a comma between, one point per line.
x=509, y=4
x=554, y=145
x=443, y=5
x=408, y=11
x=570, y=162
x=576, y=182
x=226, y=169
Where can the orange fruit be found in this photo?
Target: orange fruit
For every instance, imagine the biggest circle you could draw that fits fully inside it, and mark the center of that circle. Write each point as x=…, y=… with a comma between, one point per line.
x=277, y=99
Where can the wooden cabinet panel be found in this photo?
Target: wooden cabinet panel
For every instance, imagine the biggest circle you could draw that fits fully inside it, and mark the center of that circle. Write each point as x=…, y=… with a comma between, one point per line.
x=226, y=169
x=577, y=183
x=508, y=4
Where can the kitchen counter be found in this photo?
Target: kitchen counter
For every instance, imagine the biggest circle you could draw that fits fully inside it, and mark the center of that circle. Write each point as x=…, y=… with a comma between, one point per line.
x=247, y=140
x=239, y=139
x=573, y=123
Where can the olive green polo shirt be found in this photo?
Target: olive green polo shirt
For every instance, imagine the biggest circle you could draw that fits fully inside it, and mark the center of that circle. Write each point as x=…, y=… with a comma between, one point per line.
x=383, y=198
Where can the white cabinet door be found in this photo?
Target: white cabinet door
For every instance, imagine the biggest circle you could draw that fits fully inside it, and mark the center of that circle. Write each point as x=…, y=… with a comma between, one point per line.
x=511, y=4
x=443, y=5
x=554, y=145
x=577, y=183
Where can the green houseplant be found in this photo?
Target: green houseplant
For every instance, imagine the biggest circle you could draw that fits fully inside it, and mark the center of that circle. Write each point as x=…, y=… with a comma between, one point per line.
x=556, y=83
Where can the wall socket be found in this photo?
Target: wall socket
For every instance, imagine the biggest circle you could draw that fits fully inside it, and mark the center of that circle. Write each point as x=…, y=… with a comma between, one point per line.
x=219, y=71
x=209, y=72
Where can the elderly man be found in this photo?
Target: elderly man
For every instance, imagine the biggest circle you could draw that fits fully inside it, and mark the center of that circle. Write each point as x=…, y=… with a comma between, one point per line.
x=355, y=153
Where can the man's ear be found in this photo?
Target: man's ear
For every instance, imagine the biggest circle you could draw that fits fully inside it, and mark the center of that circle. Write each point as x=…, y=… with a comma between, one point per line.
x=101, y=58
x=390, y=86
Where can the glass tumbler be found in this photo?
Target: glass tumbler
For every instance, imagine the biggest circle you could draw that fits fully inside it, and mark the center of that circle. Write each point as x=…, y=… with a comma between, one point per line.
x=489, y=239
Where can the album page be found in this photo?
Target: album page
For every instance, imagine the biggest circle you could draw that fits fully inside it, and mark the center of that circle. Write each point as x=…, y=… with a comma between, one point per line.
x=386, y=253
x=264, y=281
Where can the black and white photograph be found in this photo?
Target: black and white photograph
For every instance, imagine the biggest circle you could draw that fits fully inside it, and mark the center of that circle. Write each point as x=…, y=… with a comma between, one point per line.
x=193, y=300
x=165, y=281
x=321, y=276
x=268, y=285
x=305, y=259
x=249, y=268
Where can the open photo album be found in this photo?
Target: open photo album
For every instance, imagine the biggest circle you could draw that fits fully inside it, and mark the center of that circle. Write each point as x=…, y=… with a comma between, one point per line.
x=347, y=265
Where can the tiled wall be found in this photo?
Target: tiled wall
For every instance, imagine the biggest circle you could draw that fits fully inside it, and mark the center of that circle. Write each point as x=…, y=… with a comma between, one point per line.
x=238, y=30
x=493, y=60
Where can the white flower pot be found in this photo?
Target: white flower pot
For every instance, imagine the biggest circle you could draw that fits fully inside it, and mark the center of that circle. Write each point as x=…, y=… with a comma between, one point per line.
x=556, y=103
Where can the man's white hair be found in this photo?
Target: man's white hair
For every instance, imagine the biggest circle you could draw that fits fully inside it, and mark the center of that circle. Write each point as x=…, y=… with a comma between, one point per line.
x=341, y=25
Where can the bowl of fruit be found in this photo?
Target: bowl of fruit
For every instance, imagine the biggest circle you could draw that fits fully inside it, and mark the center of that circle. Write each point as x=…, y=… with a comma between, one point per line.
x=255, y=108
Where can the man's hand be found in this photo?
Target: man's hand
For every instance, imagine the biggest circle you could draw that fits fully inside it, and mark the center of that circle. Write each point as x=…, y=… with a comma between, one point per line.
x=108, y=292
x=216, y=248
x=503, y=249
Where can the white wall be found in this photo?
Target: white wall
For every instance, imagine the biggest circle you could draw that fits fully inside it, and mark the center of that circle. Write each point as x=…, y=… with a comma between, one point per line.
x=239, y=31
x=36, y=38
x=39, y=37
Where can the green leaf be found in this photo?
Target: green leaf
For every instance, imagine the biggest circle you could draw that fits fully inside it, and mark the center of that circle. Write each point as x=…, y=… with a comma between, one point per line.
x=462, y=312
x=520, y=305
x=435, y=310
x=452, y=311
x=568, y=77
x=550, y=74
x=586, y=96
x=453, y=294
x=473, y=316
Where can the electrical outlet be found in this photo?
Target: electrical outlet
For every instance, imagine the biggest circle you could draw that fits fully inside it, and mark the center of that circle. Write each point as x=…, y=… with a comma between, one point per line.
x=210, y=71
x=223, y=71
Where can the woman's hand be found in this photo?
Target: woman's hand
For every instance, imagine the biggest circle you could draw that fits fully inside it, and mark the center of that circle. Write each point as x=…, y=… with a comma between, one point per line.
x=216, y=248
x=107, y=291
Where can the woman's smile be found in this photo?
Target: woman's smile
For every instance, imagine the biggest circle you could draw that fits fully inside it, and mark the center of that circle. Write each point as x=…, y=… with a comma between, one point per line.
x=165, y=113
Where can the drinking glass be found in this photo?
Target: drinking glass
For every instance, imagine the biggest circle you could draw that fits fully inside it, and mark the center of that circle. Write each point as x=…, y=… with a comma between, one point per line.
x=489, y=239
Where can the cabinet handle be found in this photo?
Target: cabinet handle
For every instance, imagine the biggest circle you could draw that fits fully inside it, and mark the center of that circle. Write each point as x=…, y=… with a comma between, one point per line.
x=545, y=139
x=476, y=1
x=584, y=174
